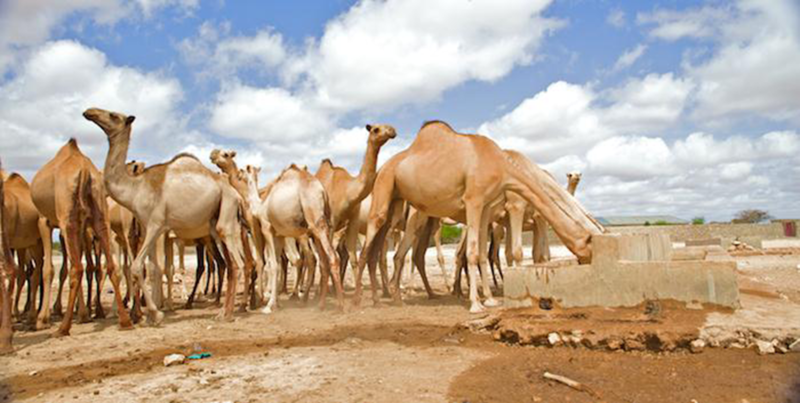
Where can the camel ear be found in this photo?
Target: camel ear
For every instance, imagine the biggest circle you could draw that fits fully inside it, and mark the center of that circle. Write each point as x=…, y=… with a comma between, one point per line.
x=129, y=120
x=233, y=154
x=369, y=128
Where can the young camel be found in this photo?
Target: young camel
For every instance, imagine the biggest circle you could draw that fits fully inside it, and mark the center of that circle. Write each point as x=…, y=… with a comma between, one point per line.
x=182, y=195
x=296, y=207
x=471, y=176
x=7, y=272
x=346, y=192
x=68, y=192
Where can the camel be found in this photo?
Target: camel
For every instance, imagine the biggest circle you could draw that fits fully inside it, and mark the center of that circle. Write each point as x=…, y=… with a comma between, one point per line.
x=224, y=160
x=22, y=221
x=523, y=217
x=471, y=175
x=68, y=191
x=296, y=206
x=181, y=194
x=7, y=272
x=346, y=192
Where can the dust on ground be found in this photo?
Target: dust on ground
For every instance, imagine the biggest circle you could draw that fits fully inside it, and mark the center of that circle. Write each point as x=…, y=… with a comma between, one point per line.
x=415, y=352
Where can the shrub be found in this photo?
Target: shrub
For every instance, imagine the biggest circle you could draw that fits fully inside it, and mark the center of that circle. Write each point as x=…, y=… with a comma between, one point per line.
x=451, y=233
x=698, y=221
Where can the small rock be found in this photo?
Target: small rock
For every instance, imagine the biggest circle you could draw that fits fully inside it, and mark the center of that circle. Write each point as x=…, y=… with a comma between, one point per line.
x=633, y=345
x=614, y=343
x=33, y=373
x=736, y=344
x=697, y=346
x=553, y=338
x=174, y=359
x=97, y=392
x=795, y=346
x=765, y=347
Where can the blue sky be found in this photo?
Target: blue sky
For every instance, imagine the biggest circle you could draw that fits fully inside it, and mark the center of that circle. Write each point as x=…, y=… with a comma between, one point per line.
x=667, y=107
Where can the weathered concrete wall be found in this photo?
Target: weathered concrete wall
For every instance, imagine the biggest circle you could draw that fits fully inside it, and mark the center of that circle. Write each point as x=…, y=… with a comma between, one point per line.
x=626, y=270
x=682, y=233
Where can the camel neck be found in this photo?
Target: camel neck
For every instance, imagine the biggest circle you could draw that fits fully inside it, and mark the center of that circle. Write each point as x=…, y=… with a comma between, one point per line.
x=119, y=184
x=571, y=186
x=366, y=176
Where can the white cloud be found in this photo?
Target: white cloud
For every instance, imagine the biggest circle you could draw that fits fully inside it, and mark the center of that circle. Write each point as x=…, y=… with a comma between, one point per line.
x=381, y=54
x=631, y=157
x=28, y=23
x=41, y=107
x=616, y=18
x=755, y=61
x=220, y=55
x=268, y=115
x=629, y=57
x=655, y=101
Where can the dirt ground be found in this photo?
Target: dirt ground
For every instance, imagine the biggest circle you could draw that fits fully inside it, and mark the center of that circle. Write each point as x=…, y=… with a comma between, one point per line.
x=416, y=352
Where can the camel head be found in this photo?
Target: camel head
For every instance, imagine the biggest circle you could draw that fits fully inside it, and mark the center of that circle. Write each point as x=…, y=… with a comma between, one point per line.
x=111, y=122
x=223, y=159
x=251, y=175
x=380, y=134
x=134, y=167
x=574, y=177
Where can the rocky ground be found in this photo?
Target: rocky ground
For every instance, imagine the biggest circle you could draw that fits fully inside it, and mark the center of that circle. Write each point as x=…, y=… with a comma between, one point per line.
x=434, y=350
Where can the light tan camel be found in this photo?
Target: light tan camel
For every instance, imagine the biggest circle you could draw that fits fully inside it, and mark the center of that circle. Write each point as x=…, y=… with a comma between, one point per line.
x=346, y=192
x=122, y=222
x=523, y=217
x=7, y=273
x=296, y=206
x=447, y=174
x=68, y=192
x=22, y=224
x=182, y=195
x=224, y=160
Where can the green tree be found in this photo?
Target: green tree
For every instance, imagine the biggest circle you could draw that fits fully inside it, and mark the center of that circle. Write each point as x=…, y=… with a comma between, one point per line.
x=698, y=220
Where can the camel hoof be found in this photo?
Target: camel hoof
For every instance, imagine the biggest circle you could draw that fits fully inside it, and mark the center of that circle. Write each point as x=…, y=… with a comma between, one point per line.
x=266, y=310
x=491, y=303
x=42, y=324
x=156, y=318
x=477, y=307
x=224, y=317
x=60, y=333
x=126, y=325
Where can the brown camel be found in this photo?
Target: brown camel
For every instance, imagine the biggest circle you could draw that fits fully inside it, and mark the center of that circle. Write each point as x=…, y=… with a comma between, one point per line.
x=346, y=192
x=224, y=160
x=447, y=174
x=68, y=192
x=182, y=195
x=7, y=273
x=22, y=222
x=296, y=207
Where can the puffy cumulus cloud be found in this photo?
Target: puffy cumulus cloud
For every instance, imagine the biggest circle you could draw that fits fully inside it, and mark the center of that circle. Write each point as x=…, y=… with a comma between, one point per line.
x=556, y=121
x=219, y=55
x=271, y=115
x=568, y=118
x=631, y=157
x=381, y=54
x=696, y=175
x=28, y=23
x=41, y=107
x=616, y=18
x=754, y=62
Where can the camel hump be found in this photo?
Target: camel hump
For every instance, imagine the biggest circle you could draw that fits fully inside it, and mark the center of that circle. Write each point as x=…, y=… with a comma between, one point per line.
x=15, y=177
x=437, y=123
x=184, y=155
x=72, y=142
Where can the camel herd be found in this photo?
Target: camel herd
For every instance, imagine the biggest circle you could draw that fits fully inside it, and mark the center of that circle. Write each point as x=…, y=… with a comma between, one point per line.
x=299, y=219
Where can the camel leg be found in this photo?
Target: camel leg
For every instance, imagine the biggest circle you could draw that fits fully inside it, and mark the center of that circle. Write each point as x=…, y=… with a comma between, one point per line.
x=309, y=267
x=35, y=282
x=227, y=229
x=182, y=269
x=418, y=254
x=351, y=243
x=221, y=266
x=331, y=262
x=85, y=312
x=541, y=249
x=7, y=274
x=102, y=232
x=483, y=256
x=46, y=234
x=210, y=274
x=274, y=247
x=258, y=243
x=475, y=218
x=100, y=278
x=249, y=270
x=198, y=275
x=406, y=242
x=460, y=263
x=437, y=240
x=22, y=262
x=384, y=267
x=515, y=219
x=148, y=246
x=62, y=275
x=169, y=270
x=72, y=244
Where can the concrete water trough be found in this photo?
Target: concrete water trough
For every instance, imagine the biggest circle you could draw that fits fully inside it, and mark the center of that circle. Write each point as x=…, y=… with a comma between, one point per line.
x=627, y=270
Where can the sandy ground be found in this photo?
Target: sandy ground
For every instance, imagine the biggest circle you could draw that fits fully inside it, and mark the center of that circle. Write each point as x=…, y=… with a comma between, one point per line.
x=414, y=352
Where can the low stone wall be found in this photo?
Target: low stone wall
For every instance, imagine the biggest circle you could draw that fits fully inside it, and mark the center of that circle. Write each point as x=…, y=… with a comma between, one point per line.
x=682, y=233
